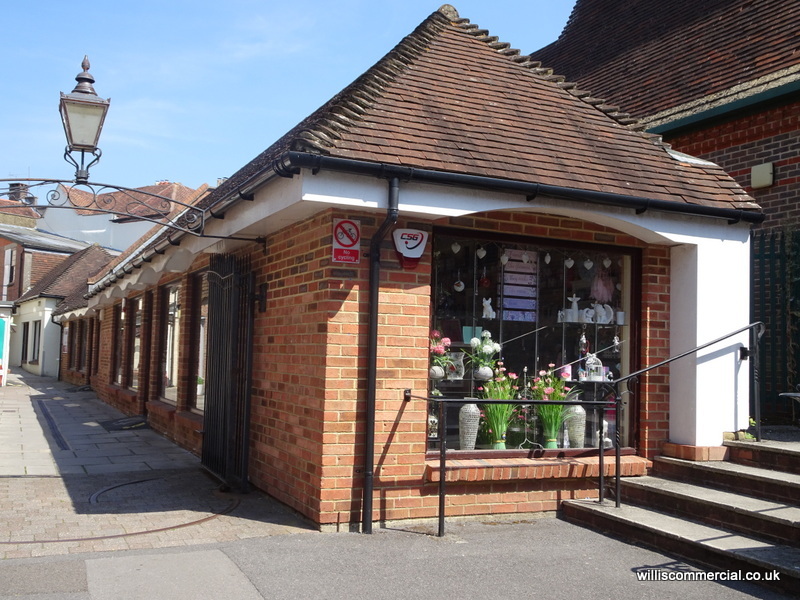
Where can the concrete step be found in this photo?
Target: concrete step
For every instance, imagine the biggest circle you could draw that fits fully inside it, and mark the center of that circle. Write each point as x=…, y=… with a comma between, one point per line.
x=777, y=456
x=774, y=521
x=712, y=547
x=753, y=481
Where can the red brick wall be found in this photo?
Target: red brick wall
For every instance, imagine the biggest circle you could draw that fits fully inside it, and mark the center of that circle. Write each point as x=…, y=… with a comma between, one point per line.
x=308, y=405
x=653, y=398
x=174, y=421
x=309, y=372
x=739, y=144
x=306, y=368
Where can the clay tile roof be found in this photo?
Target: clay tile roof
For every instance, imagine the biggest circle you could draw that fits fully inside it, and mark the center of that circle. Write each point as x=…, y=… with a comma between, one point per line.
x=131, y=202
x=150, y=236
x=651, y=55
x=450, y=97
x=70, y=275
x=17, y=209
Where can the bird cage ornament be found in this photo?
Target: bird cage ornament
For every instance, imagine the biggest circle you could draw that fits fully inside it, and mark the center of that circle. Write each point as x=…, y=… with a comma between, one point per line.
x=594, y=368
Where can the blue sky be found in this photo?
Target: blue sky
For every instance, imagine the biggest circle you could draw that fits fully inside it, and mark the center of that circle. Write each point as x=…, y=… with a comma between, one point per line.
x=199, y=88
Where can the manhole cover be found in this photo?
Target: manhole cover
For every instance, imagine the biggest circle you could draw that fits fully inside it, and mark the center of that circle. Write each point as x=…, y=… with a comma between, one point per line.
x=124, y=424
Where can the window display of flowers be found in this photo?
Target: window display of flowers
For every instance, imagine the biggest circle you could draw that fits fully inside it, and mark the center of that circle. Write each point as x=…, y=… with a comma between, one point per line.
x=482, y=358
x=440, y=359
x=552, y=386
x=504, y=386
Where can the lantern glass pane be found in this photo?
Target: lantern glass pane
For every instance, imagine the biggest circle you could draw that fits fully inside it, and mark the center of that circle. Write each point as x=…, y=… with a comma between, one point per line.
x=82, y=123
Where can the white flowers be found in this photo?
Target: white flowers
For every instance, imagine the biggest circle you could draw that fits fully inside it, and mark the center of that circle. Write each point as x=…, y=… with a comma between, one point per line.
x=483, y=350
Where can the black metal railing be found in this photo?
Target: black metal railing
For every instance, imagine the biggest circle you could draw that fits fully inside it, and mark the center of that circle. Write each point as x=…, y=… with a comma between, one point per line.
x=610, y=396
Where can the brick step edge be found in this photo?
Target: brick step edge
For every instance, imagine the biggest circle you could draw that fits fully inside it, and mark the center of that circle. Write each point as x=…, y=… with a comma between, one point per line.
x=765, y=455
x=701, y=544
x=753, y=481
x=776, y=521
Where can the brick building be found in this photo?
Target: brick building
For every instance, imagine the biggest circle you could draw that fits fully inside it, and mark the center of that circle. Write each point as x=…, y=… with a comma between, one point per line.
x=719, y=80
x=279, y=342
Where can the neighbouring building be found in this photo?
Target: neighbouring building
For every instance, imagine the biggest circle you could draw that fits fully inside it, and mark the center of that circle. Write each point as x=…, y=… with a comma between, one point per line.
x=126, y=215
x=455, y=186
x=38, y=339
x=720, y=80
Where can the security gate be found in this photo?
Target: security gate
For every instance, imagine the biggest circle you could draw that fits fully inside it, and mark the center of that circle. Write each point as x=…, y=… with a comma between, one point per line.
x=229, y=369
x=776, y=302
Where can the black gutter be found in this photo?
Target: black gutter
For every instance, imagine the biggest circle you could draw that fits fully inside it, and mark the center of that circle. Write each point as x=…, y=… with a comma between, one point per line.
x=292, y=161
x=372, y=353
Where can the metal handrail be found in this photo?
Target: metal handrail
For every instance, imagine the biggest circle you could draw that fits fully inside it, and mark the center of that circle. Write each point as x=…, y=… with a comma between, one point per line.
x=757, y=331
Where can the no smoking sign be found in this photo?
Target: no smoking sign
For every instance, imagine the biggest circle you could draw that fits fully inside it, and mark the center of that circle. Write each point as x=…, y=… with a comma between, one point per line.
x=346, y=241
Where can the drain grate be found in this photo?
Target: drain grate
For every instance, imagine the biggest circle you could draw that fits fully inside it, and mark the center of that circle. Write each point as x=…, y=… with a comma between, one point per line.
x=57, y=437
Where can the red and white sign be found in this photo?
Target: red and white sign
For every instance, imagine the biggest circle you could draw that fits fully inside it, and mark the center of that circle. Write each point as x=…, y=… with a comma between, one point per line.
x=346, y=241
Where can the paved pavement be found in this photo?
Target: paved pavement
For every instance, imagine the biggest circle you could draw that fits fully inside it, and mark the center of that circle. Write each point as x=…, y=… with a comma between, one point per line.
x=69, y=484
x=90, y=512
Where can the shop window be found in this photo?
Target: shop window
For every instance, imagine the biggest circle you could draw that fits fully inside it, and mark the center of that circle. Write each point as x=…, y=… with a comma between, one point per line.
x=135, y=318
x=9, y=270
x=544, y=304
x=200, y=339
x=72, y=342
x=66, y=344
x=119, y=343
x=36, y=341
x=170, y=343
x=25, y=341
x=82, y=340
x=96, y=346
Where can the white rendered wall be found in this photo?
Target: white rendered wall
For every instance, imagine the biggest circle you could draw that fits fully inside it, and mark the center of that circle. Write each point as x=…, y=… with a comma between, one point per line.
x=710, y=298
x=38, y=309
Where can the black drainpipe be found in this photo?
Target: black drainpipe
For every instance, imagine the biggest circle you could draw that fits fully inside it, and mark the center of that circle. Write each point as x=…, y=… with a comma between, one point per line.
x=372, y=352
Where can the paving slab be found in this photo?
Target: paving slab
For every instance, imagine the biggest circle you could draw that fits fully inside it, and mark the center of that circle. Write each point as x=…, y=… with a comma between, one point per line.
x=190, y=575
x=60, y=494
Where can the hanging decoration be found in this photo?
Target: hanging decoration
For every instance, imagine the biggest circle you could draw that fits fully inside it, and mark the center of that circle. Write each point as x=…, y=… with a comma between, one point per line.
x=459, y=285
x=602, y=287
x=484, y=281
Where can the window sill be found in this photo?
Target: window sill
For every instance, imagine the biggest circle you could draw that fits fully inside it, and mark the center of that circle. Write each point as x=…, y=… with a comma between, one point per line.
x=496, y=468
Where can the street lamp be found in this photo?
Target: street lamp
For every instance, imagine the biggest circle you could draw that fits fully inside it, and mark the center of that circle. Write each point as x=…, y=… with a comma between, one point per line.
x=83, y=113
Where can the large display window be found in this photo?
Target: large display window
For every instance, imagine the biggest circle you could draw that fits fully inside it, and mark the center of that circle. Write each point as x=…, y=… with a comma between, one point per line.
x=551, y=307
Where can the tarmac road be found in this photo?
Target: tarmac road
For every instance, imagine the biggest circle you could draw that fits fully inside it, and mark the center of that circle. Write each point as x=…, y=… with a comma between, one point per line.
x=542, y=558
x=90, y=512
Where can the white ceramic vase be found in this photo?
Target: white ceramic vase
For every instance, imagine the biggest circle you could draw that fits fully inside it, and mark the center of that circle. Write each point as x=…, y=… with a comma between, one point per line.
x=576, y=426
x=468, y=420
x=483, y=373
x=436, y=372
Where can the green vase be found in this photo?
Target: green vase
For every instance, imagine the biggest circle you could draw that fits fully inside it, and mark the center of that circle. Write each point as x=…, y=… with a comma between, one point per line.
x=499, y=445
x=550, y=438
